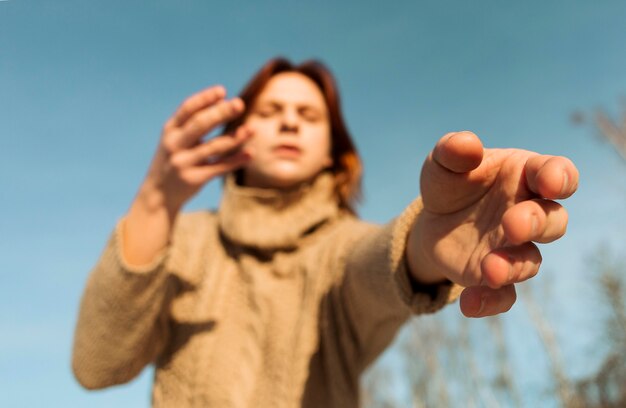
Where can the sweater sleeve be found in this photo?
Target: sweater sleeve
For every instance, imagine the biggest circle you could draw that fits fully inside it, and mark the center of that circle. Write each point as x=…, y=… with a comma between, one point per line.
x=365, y=305
x=377, y=291
x=123, y=323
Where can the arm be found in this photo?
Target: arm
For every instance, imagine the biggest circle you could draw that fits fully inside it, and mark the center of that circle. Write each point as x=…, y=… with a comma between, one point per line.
x=122, y=324
x=378, y=291
x=124, y=318
x=362, y=309
x=474, y=227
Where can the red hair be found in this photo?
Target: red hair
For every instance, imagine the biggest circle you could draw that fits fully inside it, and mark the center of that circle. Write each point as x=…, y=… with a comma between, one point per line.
x=346, y=168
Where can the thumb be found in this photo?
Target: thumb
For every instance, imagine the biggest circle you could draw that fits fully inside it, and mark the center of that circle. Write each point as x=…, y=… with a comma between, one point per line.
x=458, y=152
x=450, y=179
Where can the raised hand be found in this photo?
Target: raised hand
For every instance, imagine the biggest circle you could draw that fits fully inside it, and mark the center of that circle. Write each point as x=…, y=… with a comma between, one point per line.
x=183, y=163
x=483, y=209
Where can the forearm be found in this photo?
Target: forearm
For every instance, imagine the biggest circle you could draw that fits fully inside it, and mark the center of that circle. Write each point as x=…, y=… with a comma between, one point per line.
x=378, y=288
x=148, y=227
x=121, y=325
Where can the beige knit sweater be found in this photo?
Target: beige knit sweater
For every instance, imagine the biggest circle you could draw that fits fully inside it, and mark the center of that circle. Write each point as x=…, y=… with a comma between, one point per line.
x=277, y=300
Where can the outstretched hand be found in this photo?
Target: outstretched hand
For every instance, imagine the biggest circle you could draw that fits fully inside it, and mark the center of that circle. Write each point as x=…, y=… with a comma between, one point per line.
x=483, y=211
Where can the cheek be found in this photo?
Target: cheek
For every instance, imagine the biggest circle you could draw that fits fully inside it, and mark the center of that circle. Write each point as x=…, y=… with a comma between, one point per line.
x=261, y=135
x=319, y=147
x=255, y=123
x=323, y=143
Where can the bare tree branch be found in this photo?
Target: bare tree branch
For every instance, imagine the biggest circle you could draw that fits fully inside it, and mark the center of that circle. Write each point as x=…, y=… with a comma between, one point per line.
x=612, y=131
x=546, y=333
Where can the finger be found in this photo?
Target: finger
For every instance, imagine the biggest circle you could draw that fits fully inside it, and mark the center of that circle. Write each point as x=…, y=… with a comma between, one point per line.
x=225, y=146
x=205, y=120
x=481, y=301
x=202, y=174
x=459, y=152
x=551, y=177
x=196, y=102
x=534, y=220
x=212, y=150
x=447, y=183
x=510, y=265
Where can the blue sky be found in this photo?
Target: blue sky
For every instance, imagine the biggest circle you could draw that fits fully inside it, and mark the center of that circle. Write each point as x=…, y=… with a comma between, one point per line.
x=86, y=86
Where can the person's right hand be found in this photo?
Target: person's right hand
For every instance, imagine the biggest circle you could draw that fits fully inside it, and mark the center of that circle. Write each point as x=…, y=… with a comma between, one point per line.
x=183, y=162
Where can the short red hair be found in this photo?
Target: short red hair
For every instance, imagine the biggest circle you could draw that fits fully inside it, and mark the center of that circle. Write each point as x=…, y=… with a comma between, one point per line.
x=347, y=167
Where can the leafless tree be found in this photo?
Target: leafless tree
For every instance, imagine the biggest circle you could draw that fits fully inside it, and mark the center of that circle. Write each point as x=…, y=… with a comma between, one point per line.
x=606, y=387
x=609, y=129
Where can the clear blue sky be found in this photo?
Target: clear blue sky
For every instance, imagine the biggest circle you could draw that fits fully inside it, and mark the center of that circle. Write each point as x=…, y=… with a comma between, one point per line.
x=86, y=86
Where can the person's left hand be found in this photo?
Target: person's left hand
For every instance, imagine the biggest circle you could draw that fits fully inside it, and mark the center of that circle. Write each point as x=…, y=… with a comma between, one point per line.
x=483, y=209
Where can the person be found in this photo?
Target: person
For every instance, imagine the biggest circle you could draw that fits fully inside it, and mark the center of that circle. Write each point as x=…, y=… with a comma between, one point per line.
x=282, y=297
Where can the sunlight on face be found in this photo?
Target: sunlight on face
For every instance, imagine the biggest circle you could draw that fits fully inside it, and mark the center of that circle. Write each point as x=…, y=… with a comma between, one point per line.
x=291, y=140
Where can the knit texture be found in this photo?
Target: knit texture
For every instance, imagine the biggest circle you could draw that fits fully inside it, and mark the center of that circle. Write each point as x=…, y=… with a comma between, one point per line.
x=278, y=299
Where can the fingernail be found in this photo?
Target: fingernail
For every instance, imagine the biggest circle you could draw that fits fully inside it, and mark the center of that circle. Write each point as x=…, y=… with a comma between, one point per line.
x=236, y=104
x=565, y=182
x=482, y=305
x=450, y=138
x=533, y=225
x=220, y=91
x=510, y=261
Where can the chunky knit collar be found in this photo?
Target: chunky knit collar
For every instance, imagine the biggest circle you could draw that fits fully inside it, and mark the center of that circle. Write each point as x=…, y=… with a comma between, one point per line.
x=268, y=219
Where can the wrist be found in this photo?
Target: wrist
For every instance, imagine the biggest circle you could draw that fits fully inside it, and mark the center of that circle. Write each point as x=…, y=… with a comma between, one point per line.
x=152, y=200
x=422, y=271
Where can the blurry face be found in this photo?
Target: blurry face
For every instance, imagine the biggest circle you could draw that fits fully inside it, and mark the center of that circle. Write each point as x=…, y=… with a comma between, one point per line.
x=291, y=140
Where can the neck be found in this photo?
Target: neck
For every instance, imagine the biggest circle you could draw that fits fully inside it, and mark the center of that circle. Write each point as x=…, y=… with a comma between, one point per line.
x=276, y=218
x=247, y=179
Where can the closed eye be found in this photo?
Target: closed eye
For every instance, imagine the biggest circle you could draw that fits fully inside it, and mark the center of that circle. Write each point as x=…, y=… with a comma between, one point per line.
x=310, y=114
x=267, y=110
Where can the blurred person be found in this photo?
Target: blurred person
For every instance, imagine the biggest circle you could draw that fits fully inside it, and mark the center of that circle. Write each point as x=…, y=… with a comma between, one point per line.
x=282, y=296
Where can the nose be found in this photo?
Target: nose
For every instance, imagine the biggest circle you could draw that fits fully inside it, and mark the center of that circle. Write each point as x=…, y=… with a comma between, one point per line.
x=289, y=121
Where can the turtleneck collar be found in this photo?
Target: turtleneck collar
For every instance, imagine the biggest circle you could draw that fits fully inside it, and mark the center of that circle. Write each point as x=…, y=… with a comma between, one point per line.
x=269, y=219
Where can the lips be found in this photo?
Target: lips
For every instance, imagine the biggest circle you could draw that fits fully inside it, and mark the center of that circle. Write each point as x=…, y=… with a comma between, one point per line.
x=287, y=150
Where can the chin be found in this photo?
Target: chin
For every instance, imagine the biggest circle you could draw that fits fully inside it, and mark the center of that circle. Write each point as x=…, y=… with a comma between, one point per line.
x=278, y=178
